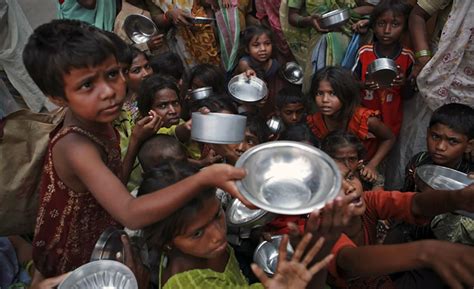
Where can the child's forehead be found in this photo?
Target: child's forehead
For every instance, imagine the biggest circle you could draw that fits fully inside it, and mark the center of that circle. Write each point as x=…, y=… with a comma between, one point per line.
x=293, y=105
x=392, y=15
x=165, y=94
x=260, y=37
x=444, y=129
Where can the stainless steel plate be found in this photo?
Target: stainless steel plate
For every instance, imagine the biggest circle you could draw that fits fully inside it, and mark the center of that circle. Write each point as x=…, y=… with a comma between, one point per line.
x=383, y=71
x=335, y=18
x=293, y=73
x=239, y=215
x=109, y=246
x=139, y=28
x=247, y=90
x=218, y=128
x=266, y=254
x=200, y=20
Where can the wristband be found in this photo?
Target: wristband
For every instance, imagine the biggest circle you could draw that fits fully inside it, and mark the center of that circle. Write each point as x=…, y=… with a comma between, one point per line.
x=423, y=53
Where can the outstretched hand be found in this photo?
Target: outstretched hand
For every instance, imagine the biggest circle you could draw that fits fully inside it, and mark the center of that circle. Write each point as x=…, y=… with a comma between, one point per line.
x=294, y=273
x=147, y=126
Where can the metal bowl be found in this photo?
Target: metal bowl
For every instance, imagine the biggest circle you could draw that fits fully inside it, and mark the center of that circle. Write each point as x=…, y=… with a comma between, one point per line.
x=102, y=274
x=288, y=178
x=238, y=215
x=334, y=19
x=247, y=90
x=266, y=254
x=200, y=20
x=218, y=128
x=275, y=124
x=443, y=178
x=201, y=93
x=293, y=73
x=139, y=28
x=383, y=71
x=109, y=246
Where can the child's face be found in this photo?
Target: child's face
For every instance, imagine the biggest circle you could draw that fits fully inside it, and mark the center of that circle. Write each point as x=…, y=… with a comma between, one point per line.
x=139, y=69
x=94, y=94
x=446, y=146
x=351, y=185
x=166, y=105
x=197, y=83
x=348, y=156
x=232, y=152
x=260, y=48
x=205, y=235
x=328, y=103
x=292, y=113
x=388, y=28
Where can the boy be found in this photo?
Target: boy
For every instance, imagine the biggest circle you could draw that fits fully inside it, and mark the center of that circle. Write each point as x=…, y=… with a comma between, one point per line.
x=158, y=149
x=81, y=192
x=290, y=106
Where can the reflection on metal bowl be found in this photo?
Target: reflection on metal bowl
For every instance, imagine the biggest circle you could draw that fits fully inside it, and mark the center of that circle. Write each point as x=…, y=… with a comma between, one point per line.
x=238, y=215
x=247, y=90
x=334, y=19
x=383, y=71
x=266, y=254
x=139, y=28
x=218, y=128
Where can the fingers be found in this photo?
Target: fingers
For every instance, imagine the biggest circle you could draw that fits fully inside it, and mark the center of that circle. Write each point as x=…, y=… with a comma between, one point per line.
x=282, y=252
x=314, y=221
x=313, y=251
x=259, y=273
x=321, y=264
x=204, y=110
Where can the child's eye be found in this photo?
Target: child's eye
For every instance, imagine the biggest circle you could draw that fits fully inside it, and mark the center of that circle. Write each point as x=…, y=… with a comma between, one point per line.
x=113, y=74
x=86, y=85
x=175, y=103
x=198, y=234
x=135, y=70
x=435, y=136
x=162, y=106
x=395, y=24
x=350, y=177
x=453, y=142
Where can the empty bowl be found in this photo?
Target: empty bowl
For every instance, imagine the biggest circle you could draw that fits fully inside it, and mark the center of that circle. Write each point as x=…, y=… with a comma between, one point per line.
x=102, y=274
x=293, y=73
x=383, y=71
x=139, y=28
x=238, y=215
x=201, y=93
x=200, y=20
x=109, y=246
x=247, y=90
x=334, y=18
x=275, y=124
x=218, y=128
x=266, y=254
x=288, y=178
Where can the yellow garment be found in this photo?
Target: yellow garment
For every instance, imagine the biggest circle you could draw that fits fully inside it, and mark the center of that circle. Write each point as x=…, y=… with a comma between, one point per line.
x=192, y=148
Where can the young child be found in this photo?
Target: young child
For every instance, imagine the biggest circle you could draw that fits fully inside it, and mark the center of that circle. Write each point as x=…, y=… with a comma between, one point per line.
x=169, y=64
x=194, y=250
x=389, y=21
x=300, y=132
x=207, y=75
x=159, y=149
x=290, y=106
x=336, y=94
x=81, y=192
x=138, y=71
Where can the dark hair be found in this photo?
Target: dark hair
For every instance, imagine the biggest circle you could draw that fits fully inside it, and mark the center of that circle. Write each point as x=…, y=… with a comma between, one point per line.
x=300, y=132
x=168, y=63
x=257, y=126
x=136, y=52
x=398, y=7
x=458, y=117
x=124, y=53
x=247, y=35
x=219, y=103
x=158, y=149
x=289, y=95
x=338, y=139
x=210, y=75
x=163, y=232
x=344, y=85
x=57, y=47
x=148, y=89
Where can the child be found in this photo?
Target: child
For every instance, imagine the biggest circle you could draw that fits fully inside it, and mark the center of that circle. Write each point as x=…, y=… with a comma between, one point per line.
x=290, y=106
x=158, y=149
x=193, y=246
x=336, y=94
x=389, y=21
x=300, y=132
x=169, y=64
x=207, y=75
x=81, y=192
x=138, y=71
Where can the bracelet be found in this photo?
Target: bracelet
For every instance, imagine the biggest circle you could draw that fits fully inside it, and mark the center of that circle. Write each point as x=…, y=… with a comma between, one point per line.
x=423, y=53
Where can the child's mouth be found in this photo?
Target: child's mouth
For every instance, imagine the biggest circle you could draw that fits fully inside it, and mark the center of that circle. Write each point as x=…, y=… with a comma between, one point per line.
x=357, y=201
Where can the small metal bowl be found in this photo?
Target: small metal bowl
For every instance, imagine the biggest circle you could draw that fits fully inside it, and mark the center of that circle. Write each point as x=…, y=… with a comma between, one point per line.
x=201, y=93
x=200, y=20
x=383, y=71
x=99, y=275
x=247, y=90
x=443, y=178
x=334, y=19
x=275, y=125
x=218, y=128
x=139, y=28
x=293, y=73
x=109, y=246
x=238, y=215
x=266, y=254
x=288, y=177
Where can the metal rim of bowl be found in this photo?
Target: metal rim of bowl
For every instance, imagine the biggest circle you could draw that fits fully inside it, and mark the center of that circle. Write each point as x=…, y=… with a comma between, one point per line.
x=290, y=80
x=240, y=79
x=332, y=194
x=422, y=173
x=98, y=251
x=130, y=18
x=334, y=12
x=259, y=247
x=207, y=89
x=231, y=210
x=216, y=141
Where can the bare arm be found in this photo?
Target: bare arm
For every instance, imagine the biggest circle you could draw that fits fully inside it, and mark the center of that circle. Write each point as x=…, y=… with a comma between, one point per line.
x=419, y=36
x=386, y=138
x=364, y=10
x=88, y=4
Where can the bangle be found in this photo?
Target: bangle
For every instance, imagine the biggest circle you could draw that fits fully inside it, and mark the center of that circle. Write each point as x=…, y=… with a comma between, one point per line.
x=423, y=53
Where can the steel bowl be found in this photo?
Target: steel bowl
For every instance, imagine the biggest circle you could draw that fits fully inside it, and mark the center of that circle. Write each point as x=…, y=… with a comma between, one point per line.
x=383, y=71
x=102, y=274
x=288, y=177
x=275, y=124
x=218, y=128
x=334, y=19
x=293, y=73
x=139, y=28
x=443, y=178
x=200, y=20
x=109, y=246
x=266, y=254
x=247, y=90
x=201, y=93
x=238, y=215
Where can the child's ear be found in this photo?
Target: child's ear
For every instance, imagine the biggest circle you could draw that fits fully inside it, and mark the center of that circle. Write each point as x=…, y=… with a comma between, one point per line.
x=57, y=100
x=470, y=147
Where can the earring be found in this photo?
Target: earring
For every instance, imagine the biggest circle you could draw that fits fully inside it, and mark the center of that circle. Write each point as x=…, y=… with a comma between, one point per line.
x=168, y=247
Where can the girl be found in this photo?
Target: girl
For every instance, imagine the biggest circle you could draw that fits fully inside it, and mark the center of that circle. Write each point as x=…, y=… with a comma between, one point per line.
x=336, y=94
x=194, y=250
x=203, y=75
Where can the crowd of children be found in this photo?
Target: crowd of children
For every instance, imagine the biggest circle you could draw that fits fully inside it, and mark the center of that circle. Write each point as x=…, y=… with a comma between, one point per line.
x=123, y=155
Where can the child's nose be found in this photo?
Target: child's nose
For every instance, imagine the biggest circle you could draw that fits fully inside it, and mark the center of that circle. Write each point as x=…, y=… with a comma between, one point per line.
x=441, y=145
x=218, y=232
x=107, y=91
x=387, y=29
x=347, y=187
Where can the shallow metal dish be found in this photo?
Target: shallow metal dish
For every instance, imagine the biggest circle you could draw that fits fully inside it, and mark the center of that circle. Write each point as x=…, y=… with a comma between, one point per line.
x=443, y=178
x=139, y=28
x=275, y=124
x=200, y=20
x=383, y=71
x=238, y=215
x=266, y=254
x=293, y=73
x=102, y=274
x=334, y=18
x=109, y=246
x=288, y=177
x=218, y=128
x=201, y=93
x=247, y=90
